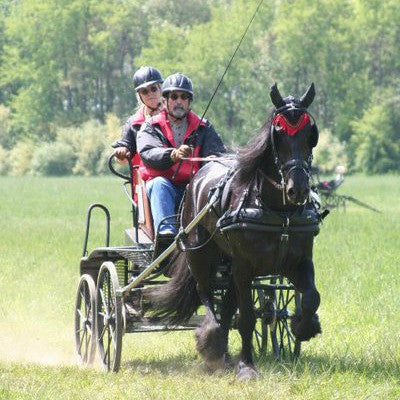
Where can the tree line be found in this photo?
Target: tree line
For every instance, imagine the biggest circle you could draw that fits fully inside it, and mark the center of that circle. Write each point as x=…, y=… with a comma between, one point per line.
x=67, y=65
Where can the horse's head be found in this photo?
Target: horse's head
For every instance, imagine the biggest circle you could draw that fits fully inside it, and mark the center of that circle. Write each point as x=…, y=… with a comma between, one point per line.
x=293, y=136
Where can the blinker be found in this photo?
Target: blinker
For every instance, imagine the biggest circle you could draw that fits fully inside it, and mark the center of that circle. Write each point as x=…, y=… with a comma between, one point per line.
x=282, y=124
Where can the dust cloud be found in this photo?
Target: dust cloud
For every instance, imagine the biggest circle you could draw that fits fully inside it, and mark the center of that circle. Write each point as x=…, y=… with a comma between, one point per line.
x=26, y=345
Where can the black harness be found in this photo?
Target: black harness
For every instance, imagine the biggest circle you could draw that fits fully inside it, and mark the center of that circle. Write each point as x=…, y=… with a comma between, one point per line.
x=304, y=219
x=256, y=219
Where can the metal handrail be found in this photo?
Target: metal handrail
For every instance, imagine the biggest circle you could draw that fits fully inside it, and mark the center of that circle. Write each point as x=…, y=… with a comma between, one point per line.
x=89, y=213
x=119, y=174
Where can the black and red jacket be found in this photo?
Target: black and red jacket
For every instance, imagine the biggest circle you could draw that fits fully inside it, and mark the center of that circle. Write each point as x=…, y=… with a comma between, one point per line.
x=129, y=133
x=155, y=143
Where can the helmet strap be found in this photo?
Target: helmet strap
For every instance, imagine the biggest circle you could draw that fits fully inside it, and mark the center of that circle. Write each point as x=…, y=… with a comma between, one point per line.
x=150, y=108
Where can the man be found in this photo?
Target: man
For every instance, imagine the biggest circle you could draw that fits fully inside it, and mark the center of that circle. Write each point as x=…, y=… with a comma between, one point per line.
x=147, y=82
x=164, y=141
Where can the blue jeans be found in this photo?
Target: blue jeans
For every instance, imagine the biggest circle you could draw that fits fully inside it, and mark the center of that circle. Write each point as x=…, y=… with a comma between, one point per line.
x=164, y=197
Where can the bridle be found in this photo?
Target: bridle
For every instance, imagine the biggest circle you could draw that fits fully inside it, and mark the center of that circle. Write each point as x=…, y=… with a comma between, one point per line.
x=285, y=169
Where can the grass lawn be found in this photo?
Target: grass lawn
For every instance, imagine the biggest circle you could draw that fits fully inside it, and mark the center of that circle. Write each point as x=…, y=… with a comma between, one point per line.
x=357, y=259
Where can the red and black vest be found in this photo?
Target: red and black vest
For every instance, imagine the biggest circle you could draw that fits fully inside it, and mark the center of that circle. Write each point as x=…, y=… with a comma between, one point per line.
x=137, y=120
x=187, y=168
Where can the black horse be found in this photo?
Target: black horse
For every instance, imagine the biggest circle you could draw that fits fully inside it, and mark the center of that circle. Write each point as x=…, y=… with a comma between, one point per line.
x=269, y=181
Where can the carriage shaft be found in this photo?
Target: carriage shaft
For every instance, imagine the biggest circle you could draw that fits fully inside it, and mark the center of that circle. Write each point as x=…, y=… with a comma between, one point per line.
x=151, y=267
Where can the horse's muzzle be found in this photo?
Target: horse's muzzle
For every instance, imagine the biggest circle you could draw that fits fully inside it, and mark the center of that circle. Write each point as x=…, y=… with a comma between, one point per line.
x=298, y=188
x=297, y=197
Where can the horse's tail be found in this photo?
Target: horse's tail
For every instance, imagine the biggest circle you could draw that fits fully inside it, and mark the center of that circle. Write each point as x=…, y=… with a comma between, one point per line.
x=175, y=301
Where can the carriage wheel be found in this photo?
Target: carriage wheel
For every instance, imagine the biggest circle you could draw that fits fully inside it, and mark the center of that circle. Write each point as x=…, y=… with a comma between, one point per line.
x=284, y=344
x=85, y=343
x=262, y=310
x=332, y=201
x=109, y=318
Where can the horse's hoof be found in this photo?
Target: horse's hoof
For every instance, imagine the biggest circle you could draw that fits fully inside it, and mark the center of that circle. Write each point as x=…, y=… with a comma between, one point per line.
x=245, y=372
x=305, y=329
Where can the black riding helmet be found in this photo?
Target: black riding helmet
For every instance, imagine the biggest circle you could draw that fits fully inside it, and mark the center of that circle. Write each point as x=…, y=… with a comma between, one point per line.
x=146, y=76
x=179, y=82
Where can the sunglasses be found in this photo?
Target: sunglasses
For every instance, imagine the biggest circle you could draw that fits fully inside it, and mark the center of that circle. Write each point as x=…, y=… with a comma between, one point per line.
x=146, y=91
x=176, y=96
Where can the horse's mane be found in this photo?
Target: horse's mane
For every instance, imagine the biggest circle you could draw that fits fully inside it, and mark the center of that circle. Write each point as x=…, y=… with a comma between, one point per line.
x=251, y=156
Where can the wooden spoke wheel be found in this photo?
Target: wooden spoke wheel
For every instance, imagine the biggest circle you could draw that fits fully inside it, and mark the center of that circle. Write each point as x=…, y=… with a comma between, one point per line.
x=284, y=344
x=109, y=320
x=85, y=305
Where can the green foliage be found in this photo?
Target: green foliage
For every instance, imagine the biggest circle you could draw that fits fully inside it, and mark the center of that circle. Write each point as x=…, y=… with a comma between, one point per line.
x=179, y=13
x=5, y=131
x=317, y=46
x=81, y=150
x=113, y=133
x=203, y=53
x=53, y=159
x=20, y=157
x=3, y=161
x=69, y=61
x=377, y=138
x=329, y=153
x=66, y=62
x=159, y=51
x=3, y=11
x=89, y=142
x=90, y=146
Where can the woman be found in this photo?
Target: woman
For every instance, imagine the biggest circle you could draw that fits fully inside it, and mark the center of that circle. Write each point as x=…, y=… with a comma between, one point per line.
x=147, y=82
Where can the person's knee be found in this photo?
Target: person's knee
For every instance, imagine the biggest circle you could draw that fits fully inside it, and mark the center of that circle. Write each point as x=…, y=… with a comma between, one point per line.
x=161, y=182
x=158, y=184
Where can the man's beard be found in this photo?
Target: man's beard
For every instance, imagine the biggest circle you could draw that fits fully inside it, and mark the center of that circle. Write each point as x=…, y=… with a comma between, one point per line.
x=178, y=112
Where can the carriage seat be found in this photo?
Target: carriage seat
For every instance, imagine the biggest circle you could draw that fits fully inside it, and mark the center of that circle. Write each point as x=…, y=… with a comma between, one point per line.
x=144, y=217
x=330, y=186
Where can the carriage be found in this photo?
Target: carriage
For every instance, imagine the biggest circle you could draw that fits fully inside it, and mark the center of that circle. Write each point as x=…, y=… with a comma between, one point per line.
x=112, y=279
x=330, y=198
x=111, y=296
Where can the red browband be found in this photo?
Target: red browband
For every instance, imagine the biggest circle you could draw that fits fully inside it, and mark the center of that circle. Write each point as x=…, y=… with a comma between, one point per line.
x=287, y=127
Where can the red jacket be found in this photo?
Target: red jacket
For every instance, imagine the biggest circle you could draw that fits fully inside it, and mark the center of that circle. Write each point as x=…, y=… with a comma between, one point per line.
x=155, y=143
x=129, y=133
x=136, y=121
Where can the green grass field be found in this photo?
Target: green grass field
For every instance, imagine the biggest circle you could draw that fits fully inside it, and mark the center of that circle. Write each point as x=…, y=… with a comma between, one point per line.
x=42, y=225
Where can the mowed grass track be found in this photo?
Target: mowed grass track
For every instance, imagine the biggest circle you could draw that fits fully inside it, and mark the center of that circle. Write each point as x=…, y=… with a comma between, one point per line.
x=42, y=225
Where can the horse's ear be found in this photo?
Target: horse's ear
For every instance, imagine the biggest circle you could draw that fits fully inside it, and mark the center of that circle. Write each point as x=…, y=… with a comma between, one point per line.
x=276, y=97
x=314, y=135
x=308, y=96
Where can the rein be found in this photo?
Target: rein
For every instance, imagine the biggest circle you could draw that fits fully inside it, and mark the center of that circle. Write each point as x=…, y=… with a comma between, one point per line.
x=194, y=133
x=275, y=184
x=206, y=159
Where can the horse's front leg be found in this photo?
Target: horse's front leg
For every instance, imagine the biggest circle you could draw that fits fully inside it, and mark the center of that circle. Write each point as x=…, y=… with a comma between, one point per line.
x=245, y=369
x=306, y=325
x=228, y=309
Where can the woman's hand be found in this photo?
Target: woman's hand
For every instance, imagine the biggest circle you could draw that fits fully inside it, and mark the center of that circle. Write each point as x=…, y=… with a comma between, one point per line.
x=122, y=153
